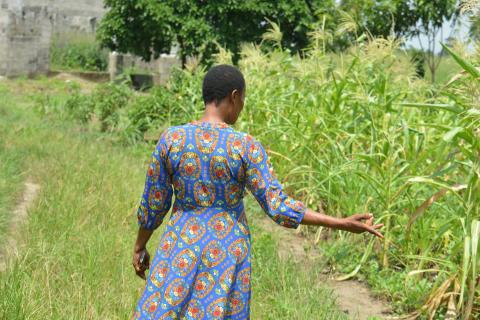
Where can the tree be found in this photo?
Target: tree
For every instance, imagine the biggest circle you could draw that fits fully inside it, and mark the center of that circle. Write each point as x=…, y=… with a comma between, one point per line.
x=426, y=17
x=413, y=18
x=148, y=28
x=377, y=17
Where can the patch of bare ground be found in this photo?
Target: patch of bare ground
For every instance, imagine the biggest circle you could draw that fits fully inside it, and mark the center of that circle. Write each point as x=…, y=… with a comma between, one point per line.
x=19, y=215
x=353, y=297
x=86, y=85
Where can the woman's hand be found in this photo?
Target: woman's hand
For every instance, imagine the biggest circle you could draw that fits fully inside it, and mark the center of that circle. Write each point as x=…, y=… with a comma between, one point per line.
x=355, y=224
x=139, y=251
x=141, y=261
x=352, y=224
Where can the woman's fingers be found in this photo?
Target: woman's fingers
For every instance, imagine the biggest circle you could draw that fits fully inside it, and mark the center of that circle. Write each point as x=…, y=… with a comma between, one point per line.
x=362, y=227
x=369, y=221
x=141, y=274
x=140, y=267
x=375, y=232
x=356, y=225
x=140, y=271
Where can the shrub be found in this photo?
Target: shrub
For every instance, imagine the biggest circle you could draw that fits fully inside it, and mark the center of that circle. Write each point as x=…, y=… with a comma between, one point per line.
x=108, y=99
x=77, y=51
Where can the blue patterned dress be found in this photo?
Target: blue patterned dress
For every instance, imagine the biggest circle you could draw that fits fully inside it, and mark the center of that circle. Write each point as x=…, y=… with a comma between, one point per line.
x=201, y=268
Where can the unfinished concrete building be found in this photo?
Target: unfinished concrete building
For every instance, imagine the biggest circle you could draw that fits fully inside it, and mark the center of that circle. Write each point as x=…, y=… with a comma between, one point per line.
x=27, y=26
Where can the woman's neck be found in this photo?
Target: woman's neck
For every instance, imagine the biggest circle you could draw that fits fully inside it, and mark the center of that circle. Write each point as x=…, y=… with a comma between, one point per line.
x=211, y=114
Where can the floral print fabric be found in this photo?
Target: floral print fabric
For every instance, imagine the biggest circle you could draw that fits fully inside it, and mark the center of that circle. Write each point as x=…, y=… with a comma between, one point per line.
x=201, y=268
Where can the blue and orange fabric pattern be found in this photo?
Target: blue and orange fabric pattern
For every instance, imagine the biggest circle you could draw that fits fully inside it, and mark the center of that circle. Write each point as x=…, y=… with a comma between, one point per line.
x=201, y=268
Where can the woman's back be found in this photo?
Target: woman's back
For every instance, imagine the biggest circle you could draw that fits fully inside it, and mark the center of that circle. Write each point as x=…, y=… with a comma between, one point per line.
x=206, y=163
x=202, y=263
x=202, y=267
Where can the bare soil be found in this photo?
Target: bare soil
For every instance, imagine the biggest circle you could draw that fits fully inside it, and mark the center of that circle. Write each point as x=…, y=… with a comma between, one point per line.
x=85, y=84
x=19, y=215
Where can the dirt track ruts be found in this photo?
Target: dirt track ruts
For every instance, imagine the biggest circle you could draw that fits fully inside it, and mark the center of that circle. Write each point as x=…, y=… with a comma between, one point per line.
x=19, y=215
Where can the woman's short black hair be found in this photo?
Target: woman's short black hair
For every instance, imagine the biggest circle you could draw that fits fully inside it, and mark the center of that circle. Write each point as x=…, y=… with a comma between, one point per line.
x=220, y=81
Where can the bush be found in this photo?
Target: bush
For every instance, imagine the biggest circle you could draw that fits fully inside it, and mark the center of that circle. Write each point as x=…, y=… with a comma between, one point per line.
x=103, y=106
x=77, y=51
x=108, y=99
x=79, y=106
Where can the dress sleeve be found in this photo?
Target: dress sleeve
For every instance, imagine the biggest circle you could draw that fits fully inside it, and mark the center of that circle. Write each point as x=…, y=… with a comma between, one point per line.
x=157, y=195
x=267, y=190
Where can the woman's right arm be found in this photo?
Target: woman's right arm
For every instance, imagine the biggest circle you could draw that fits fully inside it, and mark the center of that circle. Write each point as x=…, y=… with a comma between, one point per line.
x=285, y=210
x=353, y=223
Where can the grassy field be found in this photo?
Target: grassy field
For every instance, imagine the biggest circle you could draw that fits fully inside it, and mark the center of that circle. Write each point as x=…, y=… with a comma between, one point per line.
x=11, y=173
x=350, y=132
x=75, y=261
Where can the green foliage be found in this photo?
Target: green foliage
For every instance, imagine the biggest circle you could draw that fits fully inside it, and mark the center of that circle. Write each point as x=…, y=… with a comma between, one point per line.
x=360, y=132
x=418, y=59
x=475, y=29
x=378, y=18
x=79, y=106
x=81, y=229
x=420, y=16
x=108, y=100
x=77, y=51
x=148, y=28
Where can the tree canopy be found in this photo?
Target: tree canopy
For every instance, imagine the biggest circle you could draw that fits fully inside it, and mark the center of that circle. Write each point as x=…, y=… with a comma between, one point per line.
x=148, y=28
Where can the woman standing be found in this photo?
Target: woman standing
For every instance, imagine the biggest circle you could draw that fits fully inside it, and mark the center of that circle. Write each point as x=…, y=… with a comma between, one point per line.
x=201, y=268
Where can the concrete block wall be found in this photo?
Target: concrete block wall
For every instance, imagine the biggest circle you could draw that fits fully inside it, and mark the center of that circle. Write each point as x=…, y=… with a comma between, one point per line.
x=159, y=68
x=25, y=34
x=71, y=15
x=77, y=15
x=27, y=28
x=4, y=22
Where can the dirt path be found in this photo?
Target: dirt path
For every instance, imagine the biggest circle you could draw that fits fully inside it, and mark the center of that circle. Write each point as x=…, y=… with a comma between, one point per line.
x=86, y=85
x=353, y=297
x=19, y=215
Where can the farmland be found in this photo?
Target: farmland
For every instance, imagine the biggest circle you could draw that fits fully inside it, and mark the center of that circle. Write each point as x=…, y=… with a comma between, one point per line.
x=350, y=132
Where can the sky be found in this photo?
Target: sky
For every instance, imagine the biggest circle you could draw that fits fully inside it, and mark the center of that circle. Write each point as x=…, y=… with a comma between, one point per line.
x=460, y=32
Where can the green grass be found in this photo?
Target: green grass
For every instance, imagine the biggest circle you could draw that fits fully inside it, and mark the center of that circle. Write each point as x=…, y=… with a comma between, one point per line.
x=78, y=240
x=351, y=132
x=11, y=167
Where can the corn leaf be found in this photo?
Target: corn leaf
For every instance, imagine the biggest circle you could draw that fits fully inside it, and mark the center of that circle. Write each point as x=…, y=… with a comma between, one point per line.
x=463, y=63
x=443, y=107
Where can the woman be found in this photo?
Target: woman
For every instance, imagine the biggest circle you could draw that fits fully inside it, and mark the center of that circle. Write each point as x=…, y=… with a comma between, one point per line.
x=202, y=266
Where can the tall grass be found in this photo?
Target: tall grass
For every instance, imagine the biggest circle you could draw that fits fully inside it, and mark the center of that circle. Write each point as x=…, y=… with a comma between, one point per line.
x=75, y=258
x=358, y=131
x=11, y=172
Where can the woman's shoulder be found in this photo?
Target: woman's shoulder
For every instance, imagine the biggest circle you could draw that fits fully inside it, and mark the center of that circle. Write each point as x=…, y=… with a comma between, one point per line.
x=179, y=131
x=247, y=137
